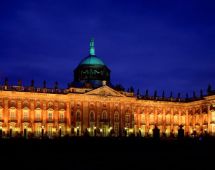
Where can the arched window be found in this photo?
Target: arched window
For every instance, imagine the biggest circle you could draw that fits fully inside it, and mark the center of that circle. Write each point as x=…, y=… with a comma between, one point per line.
x=116, y=117
x=61, y=115
x=25, y=114
x=92, y=117
x=38, y=114
x=50, y=115
x=127, y=118
x=12, y=114
x=104, y=115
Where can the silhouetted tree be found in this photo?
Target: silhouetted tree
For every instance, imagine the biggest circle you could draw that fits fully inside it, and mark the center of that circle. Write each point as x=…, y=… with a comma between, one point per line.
x=119, y=87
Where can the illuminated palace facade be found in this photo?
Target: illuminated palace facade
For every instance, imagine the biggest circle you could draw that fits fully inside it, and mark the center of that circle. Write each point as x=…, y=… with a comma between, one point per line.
x=90, y=106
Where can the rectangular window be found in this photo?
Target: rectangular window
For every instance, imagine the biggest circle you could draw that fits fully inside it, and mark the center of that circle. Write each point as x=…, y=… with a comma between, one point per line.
x=213, y=116
x=61, y=116
x=12, y=115
x=25, y=115
x=38, y=116
x=50, y=116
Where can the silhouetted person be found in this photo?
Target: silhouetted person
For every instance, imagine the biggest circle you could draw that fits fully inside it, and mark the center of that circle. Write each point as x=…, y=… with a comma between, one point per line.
x=86, y=133
x=180, y=132
x=156, y=132
x=139, y=133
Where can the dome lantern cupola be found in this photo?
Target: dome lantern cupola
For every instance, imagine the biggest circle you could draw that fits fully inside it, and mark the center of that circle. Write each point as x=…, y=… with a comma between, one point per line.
x=91, y=71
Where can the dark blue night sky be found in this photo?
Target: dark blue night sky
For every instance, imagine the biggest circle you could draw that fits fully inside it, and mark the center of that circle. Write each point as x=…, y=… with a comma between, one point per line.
x=155, y=45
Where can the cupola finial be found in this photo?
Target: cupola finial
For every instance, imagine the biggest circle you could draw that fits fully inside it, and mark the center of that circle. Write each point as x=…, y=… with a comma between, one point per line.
x=92, y=48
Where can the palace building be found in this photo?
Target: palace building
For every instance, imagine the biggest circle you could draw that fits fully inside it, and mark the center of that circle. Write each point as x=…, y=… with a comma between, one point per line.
x=90, y=105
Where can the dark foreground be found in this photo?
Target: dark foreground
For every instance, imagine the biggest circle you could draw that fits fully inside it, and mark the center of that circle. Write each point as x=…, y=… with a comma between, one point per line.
x=106, y=153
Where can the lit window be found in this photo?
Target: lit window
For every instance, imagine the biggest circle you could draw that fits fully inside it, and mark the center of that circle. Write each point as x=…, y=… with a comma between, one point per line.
x=38, y=115
x=213, y=116
x=127, y=118
x=50, y=116
x=116, y=117
x=104, y=115
x=12, y=115
x=25, y=115
x=61, y=115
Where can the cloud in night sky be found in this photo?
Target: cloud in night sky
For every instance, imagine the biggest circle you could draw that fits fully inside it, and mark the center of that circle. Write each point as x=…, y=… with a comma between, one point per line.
x=162, y=45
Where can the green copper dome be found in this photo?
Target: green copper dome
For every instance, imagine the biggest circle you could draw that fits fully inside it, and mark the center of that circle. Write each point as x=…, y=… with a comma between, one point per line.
x=91, y=71
x=91, y=60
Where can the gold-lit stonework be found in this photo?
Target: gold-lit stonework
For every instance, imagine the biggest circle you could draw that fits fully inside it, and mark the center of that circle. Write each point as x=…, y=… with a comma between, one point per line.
x=102, y=112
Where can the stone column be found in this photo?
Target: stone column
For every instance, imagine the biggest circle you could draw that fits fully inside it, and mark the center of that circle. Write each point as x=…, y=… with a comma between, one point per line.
x=6, y=115
x=19, y=115
x=85, y=114
x=68, y=117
